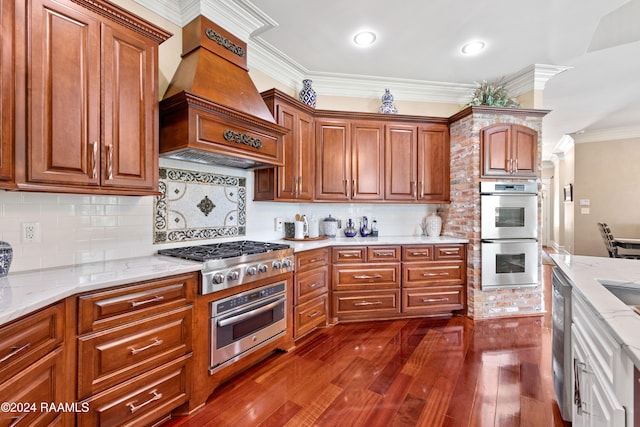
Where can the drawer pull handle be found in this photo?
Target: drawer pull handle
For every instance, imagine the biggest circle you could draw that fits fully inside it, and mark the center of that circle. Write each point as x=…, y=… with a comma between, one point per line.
x=450, y=252
x=17, y=420
x=156, y=342
x=385, y=254
x=313, y=260
x=156, y=396
x=420, y=253
x=349, y=256
x=147, y=301
x=435, y=274
x=365, y=303
x=365, y=276
x=314, y=314
x=435, y=300
x=314, y=284
x=14, y=352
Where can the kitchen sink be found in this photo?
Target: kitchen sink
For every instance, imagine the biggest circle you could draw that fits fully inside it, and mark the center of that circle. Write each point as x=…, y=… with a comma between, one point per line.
x=628, y=293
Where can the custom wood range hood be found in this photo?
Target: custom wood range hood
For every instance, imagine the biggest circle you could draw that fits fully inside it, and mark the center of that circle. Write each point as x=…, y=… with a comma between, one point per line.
x=212, y=112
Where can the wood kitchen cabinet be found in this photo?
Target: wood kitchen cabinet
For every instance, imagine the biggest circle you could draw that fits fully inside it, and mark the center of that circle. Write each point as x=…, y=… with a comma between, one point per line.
x=509, y=150
x=349, y=160
x=134, y=351
x=311, y=287
x=88, y=122
x=32, y=369
x=295, y=180
x=7, y=103
x=365, y=282
x=417, y=163
x=433, y=279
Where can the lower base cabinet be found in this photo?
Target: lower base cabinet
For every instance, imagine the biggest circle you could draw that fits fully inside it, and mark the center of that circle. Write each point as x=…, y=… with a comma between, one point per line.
x=603, y=374
x=311, y=288
x=354, y=305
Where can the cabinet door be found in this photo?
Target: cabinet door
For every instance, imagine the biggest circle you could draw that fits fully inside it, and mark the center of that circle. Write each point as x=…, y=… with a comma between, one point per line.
x=367, y=164
x=433, y=163
x=305, y=155
x=400, y=162
x=64, y=102
x=130, y=145
x=287, y=174
x=496, y=150
x=6, y=89
x=333, y=160
x=524, y=149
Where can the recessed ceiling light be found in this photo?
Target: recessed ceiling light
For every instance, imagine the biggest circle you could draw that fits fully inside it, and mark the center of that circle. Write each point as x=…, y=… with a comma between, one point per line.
x=364, y=38
x=473, y=48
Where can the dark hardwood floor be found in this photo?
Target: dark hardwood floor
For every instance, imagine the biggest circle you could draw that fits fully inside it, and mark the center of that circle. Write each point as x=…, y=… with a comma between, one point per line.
x=418, y=372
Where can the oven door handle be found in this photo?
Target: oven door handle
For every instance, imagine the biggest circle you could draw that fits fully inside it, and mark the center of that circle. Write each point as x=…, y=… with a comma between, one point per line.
x=240, y=317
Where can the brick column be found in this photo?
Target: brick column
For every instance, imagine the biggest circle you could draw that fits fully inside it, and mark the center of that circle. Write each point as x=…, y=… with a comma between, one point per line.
x=462, y=216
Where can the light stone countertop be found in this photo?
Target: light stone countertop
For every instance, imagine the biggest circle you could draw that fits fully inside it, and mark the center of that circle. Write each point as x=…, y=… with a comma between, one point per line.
x=25, y=292
x=586, y=273
x=299, y=246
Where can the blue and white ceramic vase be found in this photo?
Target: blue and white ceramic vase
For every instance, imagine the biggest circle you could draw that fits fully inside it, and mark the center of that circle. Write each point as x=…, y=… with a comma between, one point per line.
x=308, y=94
x=6, y=255
x=387, y=106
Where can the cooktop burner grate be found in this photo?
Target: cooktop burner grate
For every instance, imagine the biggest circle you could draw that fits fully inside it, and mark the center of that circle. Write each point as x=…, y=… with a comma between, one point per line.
x=222, y=250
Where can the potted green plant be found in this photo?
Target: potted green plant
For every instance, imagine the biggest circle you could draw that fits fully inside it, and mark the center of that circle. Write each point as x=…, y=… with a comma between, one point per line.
x=492, y=94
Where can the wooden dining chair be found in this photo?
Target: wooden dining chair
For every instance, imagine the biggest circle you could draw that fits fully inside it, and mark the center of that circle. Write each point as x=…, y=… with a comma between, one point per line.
x=610, y=244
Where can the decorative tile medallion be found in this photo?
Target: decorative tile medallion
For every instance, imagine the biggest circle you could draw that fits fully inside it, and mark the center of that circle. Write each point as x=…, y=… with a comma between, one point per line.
x=198, y=206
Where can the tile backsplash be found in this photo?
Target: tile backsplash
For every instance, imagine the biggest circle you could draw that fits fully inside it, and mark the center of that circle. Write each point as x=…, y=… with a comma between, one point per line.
x=198, y=206
x=76, y=229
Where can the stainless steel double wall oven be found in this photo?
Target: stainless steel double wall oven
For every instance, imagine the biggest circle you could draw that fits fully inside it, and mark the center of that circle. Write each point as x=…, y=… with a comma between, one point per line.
x=509, y=234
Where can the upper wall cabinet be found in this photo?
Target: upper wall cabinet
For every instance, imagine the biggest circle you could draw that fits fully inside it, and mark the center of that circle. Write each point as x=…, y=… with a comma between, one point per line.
x=349, y=160
x=417, y=163
x=90, y=121
x=509, y=150
x=294, y=180
x=7, y=26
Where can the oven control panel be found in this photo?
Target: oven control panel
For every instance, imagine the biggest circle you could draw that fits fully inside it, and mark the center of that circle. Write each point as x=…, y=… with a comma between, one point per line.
x=246, y=272
x=247, y=297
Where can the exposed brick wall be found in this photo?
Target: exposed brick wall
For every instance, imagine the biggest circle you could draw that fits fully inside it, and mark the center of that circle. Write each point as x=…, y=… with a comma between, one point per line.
x=462, y=216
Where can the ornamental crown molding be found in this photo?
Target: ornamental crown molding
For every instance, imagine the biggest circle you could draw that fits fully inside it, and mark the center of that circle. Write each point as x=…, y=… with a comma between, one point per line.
x=607, y=134
x=247, y=22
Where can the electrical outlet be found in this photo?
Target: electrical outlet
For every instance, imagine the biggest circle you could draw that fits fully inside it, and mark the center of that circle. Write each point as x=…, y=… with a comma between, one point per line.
x=279, y=223
x=30, y=232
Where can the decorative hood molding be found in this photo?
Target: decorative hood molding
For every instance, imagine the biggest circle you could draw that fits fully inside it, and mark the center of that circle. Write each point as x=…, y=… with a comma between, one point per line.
x=212, y=112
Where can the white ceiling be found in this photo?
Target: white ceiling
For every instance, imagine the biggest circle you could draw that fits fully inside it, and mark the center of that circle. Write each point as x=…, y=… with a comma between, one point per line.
x=418, y=47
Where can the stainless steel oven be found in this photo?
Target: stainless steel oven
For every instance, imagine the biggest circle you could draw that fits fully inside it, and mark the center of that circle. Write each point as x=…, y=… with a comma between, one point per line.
x=509, y=210
x=509, y=263
x=244, y=322
x=509, y=232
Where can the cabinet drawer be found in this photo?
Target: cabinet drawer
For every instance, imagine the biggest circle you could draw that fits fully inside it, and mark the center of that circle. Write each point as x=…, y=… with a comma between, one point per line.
x=599, y=342
x=142, y=400
x=365, y=304
x=109, y=357
x=310, y=284
x=432, y=299
x=364, y=276
x=383, y=253
x=308, y=260
x=41, y=381
x=26, y=340
x=432, y=273
x=417, y=253
x=310, y=315
x=442, y=252
x=99, y=310
x=348, y=254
